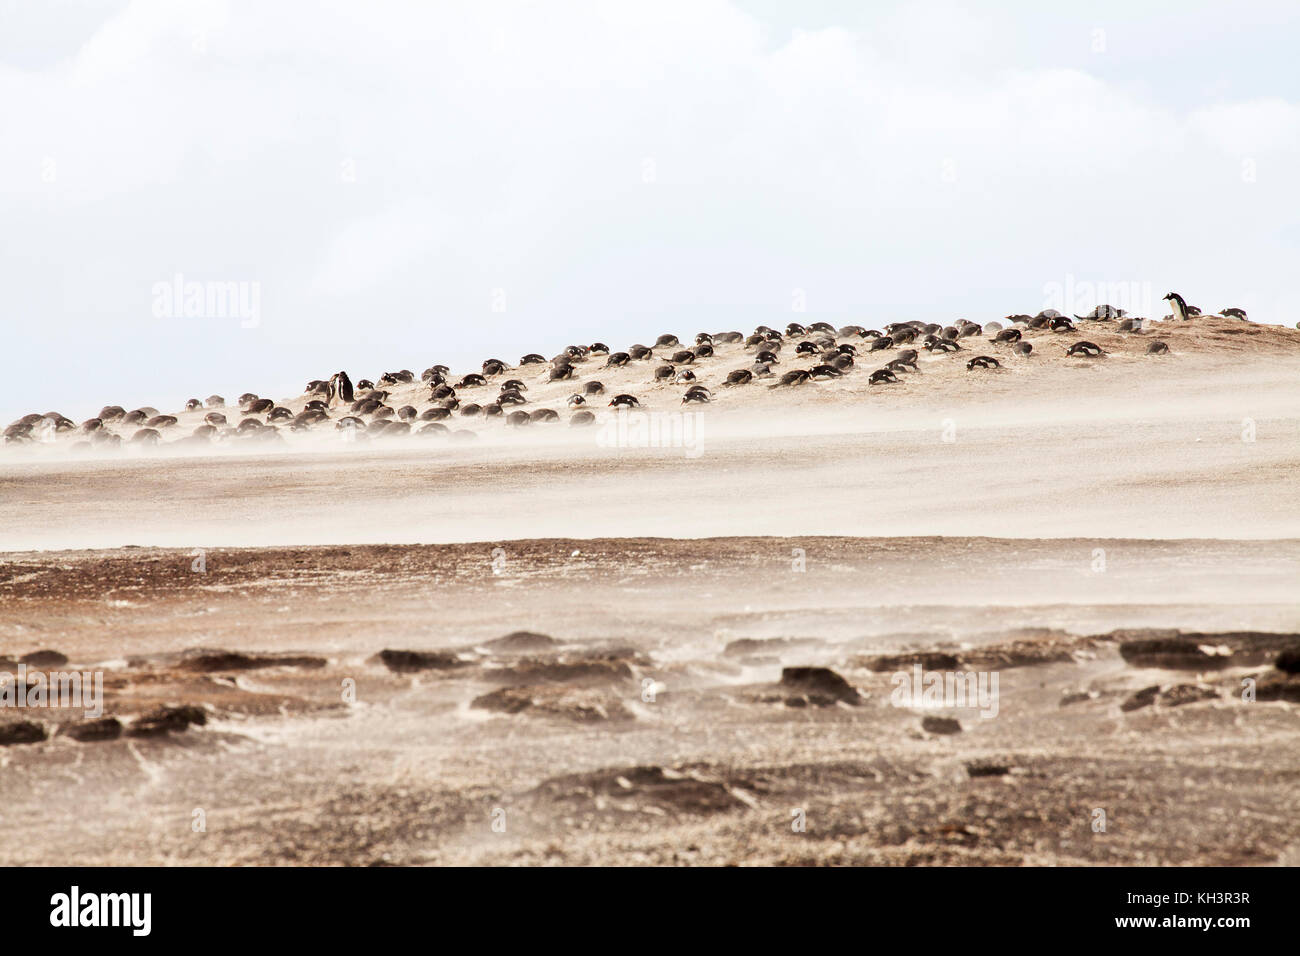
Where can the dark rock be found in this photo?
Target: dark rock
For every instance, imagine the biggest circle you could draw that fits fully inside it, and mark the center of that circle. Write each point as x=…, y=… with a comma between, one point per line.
x=929, y=660
x=233, y=661
x=522, y=641
x=820, y=681
x=585, y=706
x=45, y=658
x=1276, y=686
x=405, y=662
x=940, y=725
x=93, y=731
x=1197, y=651
x=1288, y=662
x=22, y=732
x=1143, y=698
x=533, y=671
x=166, y=719
x=987, y=770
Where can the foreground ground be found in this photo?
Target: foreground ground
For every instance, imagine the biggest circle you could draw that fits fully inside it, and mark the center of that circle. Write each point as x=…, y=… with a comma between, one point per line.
x=654, y=725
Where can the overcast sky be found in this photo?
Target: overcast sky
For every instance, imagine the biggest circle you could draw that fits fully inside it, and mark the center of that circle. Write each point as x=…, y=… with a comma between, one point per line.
x=403, y=184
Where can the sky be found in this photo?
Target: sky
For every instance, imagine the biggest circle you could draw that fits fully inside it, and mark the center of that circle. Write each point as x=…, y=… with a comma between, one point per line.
x=391, y=185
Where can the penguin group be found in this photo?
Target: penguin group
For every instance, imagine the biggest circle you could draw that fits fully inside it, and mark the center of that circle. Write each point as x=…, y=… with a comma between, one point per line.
x=496, y=394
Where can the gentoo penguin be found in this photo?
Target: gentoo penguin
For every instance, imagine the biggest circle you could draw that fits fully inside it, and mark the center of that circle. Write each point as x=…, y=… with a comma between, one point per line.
x=407, y=412
x=532, y=358
x=574, y=400
x=1008, y=335
x=1158, y=348
x=1023, y=348
x=593, y=388
x=365, y=385
x=192, y=404
x=842, y=361
x=793, y=377
x=1062, y=324
x=433, y=428
x=1234, y=313
x=560, y=373
x=992, y=327
x=472, y=380
x=1011, y=318
x=767, y=357
x=493, y=410
x=741, y=376
x=544, y=415
x=1103, y=312
x=806, y=348
x=703, y=350
x=667, y=340
x=907, y=357
x=583, y=417
x=146, y=436
x=246, y=398
x=942, y=345
x=729, y=338
x=794, y=330
x=882, y=376
x=683, y=376
x=755, y=340
x=684, y=357
x=824, y=371
x=849, y=331
x=494, y=367
x=664, y=372
x=517, y=418
x=1179, y=305
x=432, y=414
x=903, y=336
x=1088, y=349
x=624, y=401
x=342, y=386
x=279, y=414
x=884, y=342
x=617, y=360
x=511, y=397
x=640, y=352
x=697, y=393
x=212, y=401
x=513, y=385
x=821, y=327
x=259, y=407
x=982, y=361
x=598, y=348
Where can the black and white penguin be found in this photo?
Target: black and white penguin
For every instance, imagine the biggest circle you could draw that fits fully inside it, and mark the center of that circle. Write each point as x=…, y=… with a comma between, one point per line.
x=1179, y=305
x=617, y=360
x=882, y=376
x=624, y=401
x=741, y=376
x=982, y=361
x=1086, y=349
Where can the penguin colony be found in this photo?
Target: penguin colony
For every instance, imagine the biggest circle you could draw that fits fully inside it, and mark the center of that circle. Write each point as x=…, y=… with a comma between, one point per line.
x=434, y=403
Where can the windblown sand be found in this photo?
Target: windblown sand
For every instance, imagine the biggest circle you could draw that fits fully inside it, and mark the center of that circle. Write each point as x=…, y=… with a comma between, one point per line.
x=1042, y=516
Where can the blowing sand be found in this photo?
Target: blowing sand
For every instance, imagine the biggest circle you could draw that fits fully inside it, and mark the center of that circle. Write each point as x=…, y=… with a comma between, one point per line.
x=1033, y=522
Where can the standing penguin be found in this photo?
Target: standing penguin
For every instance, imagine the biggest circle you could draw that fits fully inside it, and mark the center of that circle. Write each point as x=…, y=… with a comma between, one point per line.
x=1179, y=305
x=340, y=382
